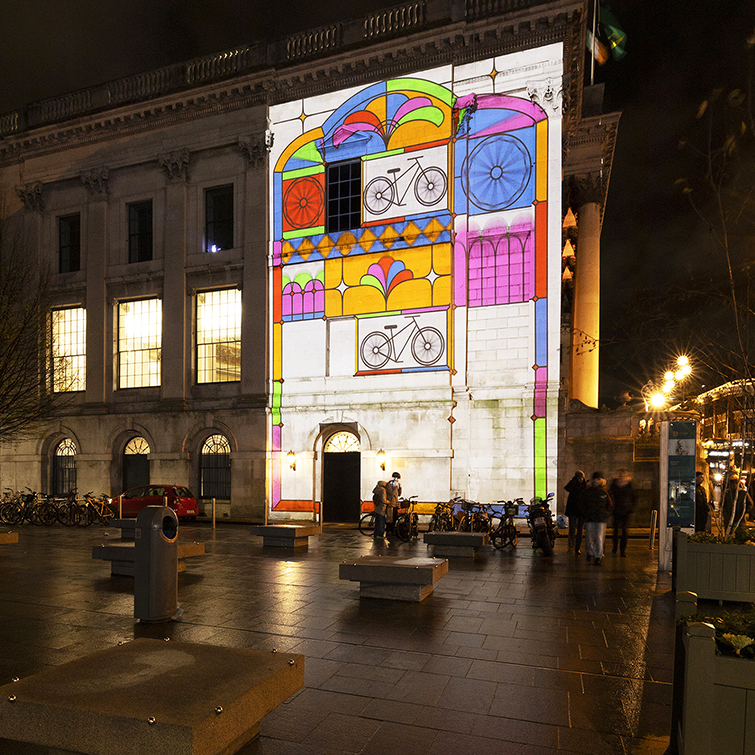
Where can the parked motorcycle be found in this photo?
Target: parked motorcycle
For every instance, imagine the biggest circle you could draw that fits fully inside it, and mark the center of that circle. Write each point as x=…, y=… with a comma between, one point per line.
x=542, y=527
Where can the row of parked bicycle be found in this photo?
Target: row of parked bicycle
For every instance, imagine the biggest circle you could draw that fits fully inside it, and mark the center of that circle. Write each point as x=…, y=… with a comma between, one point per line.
x=457, y=515
x=17, y=507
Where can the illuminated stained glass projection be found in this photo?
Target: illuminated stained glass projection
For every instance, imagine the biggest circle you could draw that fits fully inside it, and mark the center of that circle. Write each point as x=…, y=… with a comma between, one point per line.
x=501, y=160
x=303, y=298
x=399, y=129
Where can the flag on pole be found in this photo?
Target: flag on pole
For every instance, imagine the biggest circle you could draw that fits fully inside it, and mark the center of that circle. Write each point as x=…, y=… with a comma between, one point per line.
x=597, y=49
x=613, y=33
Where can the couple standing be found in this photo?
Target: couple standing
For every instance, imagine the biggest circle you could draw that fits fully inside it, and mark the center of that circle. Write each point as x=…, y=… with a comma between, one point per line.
x=384, y=496
x=591, y=505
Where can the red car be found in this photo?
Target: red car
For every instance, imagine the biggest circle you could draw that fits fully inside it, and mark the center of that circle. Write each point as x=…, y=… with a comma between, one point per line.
x=180, y=499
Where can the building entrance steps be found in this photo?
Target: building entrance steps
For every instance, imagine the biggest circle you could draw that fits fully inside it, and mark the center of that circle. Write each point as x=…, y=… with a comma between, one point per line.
x=150, y=696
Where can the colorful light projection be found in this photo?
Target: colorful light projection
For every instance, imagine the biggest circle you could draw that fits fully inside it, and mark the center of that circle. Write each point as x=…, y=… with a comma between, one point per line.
x=410, y=136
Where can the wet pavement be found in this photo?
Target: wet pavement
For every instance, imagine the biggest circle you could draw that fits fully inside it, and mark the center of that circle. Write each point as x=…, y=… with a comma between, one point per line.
x=512, y=653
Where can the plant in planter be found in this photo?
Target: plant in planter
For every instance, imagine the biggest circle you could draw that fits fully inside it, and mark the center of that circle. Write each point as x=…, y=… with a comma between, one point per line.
x=714, y=682
x=715, y=568
x=735, y=631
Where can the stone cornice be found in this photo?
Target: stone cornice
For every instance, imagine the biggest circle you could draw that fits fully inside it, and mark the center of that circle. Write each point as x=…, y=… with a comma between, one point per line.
x=458, y=43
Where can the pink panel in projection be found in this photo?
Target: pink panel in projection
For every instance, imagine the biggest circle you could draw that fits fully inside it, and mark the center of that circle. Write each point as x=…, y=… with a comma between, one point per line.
x=501, y=266
x=275, y=483
x=541, y=378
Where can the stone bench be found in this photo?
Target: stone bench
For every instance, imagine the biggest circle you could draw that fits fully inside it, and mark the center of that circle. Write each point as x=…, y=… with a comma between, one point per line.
x=394, y=578
x=8, y=538
x=456, y=543
x=120, y=553
x=148, y=696
x=286, y=535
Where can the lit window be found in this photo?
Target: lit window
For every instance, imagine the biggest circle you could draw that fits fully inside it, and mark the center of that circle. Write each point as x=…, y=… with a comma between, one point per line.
x=140, y=231
x=344, y=208
x=219, y=336
x=69, y=349
x=139, y=333
x=69, y=244
x=219, y=218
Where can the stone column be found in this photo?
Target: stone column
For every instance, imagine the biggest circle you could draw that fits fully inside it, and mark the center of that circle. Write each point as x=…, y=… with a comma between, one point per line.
x=94, y=250
x=175, y=368
x=248, y=477
x=585, y=344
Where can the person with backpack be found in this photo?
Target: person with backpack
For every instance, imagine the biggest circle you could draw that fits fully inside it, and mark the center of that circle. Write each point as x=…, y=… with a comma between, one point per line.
x=380, y=501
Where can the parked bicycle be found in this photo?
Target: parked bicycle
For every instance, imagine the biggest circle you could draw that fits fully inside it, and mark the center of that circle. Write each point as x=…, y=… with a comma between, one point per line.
x=471, y=516
x=505, y=533
x=94, y=510
x=442, y=519
x=21, y=507
x=406, y=525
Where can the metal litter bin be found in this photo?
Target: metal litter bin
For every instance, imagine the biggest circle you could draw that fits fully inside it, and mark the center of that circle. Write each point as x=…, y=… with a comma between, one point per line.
x=156, y=564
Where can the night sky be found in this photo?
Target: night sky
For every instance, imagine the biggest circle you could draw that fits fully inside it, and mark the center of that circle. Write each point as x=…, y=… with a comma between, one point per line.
x=678, y=50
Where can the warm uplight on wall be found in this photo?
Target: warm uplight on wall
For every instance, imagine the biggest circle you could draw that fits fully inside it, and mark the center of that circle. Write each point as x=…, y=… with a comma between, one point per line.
x=291, y=459
x=381, y=459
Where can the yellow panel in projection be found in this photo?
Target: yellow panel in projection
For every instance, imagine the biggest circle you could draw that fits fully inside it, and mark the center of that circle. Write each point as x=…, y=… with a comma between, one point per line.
x=541, y=161
x=361, y=300
x=386, y=281
x=411, y=295
x=277, y=351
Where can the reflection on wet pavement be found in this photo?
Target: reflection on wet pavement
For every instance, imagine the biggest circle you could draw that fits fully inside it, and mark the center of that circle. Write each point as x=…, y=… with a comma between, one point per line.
x=512, y=653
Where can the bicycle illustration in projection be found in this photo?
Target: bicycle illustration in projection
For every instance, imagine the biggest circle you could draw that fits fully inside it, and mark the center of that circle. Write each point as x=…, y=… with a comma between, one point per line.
x=425, y=342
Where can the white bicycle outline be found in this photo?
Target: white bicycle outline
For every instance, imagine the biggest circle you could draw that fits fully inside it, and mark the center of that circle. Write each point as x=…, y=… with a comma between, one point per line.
x=430, y=186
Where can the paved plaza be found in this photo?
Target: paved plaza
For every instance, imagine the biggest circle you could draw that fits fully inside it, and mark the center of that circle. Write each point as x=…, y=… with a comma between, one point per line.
x=512, y=653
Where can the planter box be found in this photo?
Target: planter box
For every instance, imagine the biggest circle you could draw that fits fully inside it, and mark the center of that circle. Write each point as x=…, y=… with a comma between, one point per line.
x=714, y=571
x=716, y=700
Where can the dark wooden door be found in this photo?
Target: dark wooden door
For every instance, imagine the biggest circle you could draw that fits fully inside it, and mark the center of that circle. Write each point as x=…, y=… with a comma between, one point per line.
x=340, y=490
x=135, y=470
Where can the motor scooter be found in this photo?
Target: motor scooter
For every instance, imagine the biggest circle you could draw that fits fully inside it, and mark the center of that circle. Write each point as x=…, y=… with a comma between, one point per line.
x=540, y=521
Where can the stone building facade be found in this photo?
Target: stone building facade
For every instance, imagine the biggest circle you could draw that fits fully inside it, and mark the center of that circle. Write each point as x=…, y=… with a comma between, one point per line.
x=282, y=272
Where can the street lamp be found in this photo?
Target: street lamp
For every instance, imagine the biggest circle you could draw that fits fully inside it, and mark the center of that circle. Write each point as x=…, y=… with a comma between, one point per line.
x=657, y=397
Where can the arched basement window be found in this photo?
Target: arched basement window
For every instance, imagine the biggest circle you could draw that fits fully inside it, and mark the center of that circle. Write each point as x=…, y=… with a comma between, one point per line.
x=64, y=467
x=340, y=443
x=215, y=468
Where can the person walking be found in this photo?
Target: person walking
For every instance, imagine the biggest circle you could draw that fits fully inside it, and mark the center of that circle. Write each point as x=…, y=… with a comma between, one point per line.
x=623, y=499
x=380, y=501
x=595, y=504
x=574, y=488
x=701, y=503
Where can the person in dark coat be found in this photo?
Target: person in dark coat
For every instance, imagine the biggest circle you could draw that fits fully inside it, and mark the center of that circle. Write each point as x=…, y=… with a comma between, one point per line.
x=574, y=488
x=595, y=504
x=701, y=503
x=623, y=498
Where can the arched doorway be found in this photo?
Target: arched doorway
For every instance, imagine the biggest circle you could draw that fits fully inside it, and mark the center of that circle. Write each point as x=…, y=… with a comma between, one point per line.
x=341, y=478
x=136, y=463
